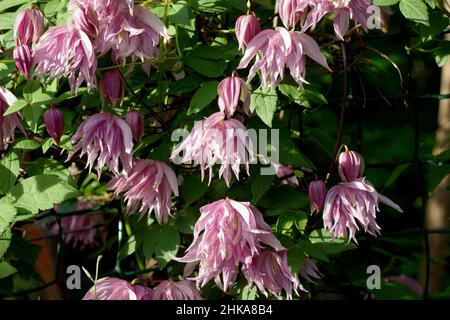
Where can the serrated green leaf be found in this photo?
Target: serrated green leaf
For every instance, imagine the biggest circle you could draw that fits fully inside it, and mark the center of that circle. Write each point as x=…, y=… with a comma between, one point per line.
x=185, y=220
x=5, y=241
x=163, y=241
x=6, y=269
x=39, y=193
x=16, y=106
x=260, y=184
x=385, y=2
x=26, y=144
x=415, y=10
x=265, y=104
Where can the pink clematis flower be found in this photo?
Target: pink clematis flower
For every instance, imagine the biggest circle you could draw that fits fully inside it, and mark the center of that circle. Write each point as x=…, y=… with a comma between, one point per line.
x=343, y=10
x=349, y=205
x=270, y=272
x=134, y=35
x=105, y=138
x=316, y=194
x=286, y=173
x=64, y=51
x=180, y=290
x=111, y=88
x=291, y=11
x=24, y=59
x=9, y=123
x=351, y=166
x=117, y=289
x=247, y=27
x=85, y=18
x=227, y=233
x=28, y=27
x=230, y=91
x=136, y=122
x=309, y=271
x=281, y=47
x=148, y=187
x=216, y=140
x=54, y=123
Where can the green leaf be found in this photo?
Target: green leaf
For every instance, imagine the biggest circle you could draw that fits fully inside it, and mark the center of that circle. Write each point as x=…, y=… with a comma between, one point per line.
x=385, y=2
x=415, y=10
x=290, y=218
x=6, y=269
x=163, y=241
x=284, y=197
x=16, y=106
x=296, y=258
x=249, y=293
x=301, y=96
x=128, y=248
x=179, y=13
x=193, y=189
x=5, y=240
x=44, y=166
x=206, y=67
x=6, y=4
x=185, y=220
x=203, y=97
x=7, y=215
x=26, y=144
x=265, y=104
x=23, y=250
x=9, y=171
x=260, y=184
x=397, y=172
x=39, y=193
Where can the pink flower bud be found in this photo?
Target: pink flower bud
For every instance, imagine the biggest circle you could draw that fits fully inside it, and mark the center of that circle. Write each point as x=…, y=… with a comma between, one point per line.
x=24, y=59
x=111, y=87
x=136, y=123
x=317, y=192
x=351, y=166
x=230, y=90
x=54, y=123
x=86, y=19
x=247, y=27
x=28, y=27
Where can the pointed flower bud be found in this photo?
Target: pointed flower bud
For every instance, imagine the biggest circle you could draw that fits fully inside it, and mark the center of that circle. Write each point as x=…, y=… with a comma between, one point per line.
x=111, y=87
x=351, y=166
x=28, y=27
x=230, y=90
x=136, y=123
x=86, y=19
x=247, y=27
x=24, y=59
x=317, y=192
x=54, y=123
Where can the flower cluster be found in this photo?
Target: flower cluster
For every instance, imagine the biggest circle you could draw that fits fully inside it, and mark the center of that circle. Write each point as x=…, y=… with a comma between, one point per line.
x=229, y=234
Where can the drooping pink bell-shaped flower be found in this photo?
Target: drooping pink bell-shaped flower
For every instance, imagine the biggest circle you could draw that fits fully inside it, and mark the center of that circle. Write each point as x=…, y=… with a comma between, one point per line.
x=9, y=123
x=343, y=11
x=290, y=11
x=105, y=139
x=351, y=166
x=230, y=91
x=176, y=290
x=24, y=59
x=85, y=18
x=116, y=289
x=286, y=173
x=317, y=192
x=309, y=271
x=247, y=27
x=54, y=123
x=350, y=205
x=227, y=233
x=28, y=27
x=134, y=36
x=269, y=271
x=64, y=51
x=216, y=140
x=148, y=187
x=111, y=87
x=274, y=49
x=136, y=122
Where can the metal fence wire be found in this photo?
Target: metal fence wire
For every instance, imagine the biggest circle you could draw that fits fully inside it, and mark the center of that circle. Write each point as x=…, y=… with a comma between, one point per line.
x=349, y=100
